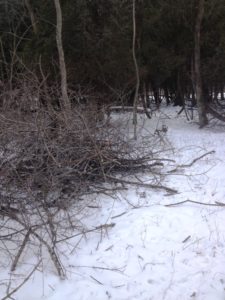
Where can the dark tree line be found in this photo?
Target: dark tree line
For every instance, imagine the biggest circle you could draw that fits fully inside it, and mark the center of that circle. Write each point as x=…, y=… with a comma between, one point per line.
x=97, y=40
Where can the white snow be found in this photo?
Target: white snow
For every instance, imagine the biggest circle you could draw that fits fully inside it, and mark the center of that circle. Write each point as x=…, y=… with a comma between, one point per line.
x=153, y=251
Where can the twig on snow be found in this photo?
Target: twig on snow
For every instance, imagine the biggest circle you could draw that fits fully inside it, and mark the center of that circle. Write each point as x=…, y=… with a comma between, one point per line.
x=186, y=239
x=96, y=280
x=120, y=215
x=100, y=227
x=119, y=270
x=105, y=226
x=192, y=162
x=196, y=202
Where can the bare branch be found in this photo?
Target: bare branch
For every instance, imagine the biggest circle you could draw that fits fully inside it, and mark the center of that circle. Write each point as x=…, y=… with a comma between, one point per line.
x=192, y=162
x=195, y=202
x=147, y=185
x=16, y=260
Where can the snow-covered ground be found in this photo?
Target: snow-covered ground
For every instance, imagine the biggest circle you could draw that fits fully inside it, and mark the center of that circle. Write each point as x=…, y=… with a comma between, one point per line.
x=143, y=249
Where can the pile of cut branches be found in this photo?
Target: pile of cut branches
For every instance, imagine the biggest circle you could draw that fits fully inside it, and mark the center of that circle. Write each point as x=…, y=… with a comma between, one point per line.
x=43, y=156
x=48, y=164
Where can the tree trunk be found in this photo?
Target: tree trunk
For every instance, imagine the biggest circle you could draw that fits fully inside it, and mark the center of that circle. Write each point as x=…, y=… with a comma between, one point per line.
x=136, y=72
x=179, y=97
x=65, y=102
x=222, y=92
x=32, y=16
x=156, y=94
x=144, y=99
x=197, y=67
x=166, y=94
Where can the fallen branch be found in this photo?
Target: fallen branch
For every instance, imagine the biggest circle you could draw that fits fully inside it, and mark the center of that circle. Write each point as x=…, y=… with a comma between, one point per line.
x=147, y=185
x=215, y=113
x=192, y=162
x=119, y=270
x=195, y=202
x=120, y=215
x=99, y=282
x=121, y=109
x=105, y=226
x=100, y=227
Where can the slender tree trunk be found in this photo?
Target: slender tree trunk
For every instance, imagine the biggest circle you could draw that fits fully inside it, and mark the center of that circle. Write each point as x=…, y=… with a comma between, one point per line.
x=32, y=16
x=65, y=102
x=156, y=94
x=144, y=99
x=197, y=67
x=136, y=72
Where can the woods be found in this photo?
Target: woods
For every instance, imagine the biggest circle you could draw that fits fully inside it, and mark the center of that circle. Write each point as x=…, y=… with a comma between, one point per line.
x=97, y=42
x=64, y=67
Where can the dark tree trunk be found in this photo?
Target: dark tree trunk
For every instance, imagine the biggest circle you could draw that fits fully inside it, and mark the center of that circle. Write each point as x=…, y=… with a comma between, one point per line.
x=207, y=95
x=216, y=93
x=197, y=67
x=179, y=98
x=144, y=99
x=155, y=90
x=130, y=98
x=222, y=92
x=147, y=88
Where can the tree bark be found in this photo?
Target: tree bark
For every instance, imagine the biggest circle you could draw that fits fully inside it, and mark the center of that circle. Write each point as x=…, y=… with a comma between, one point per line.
x=197, y=67
x=65, y=102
